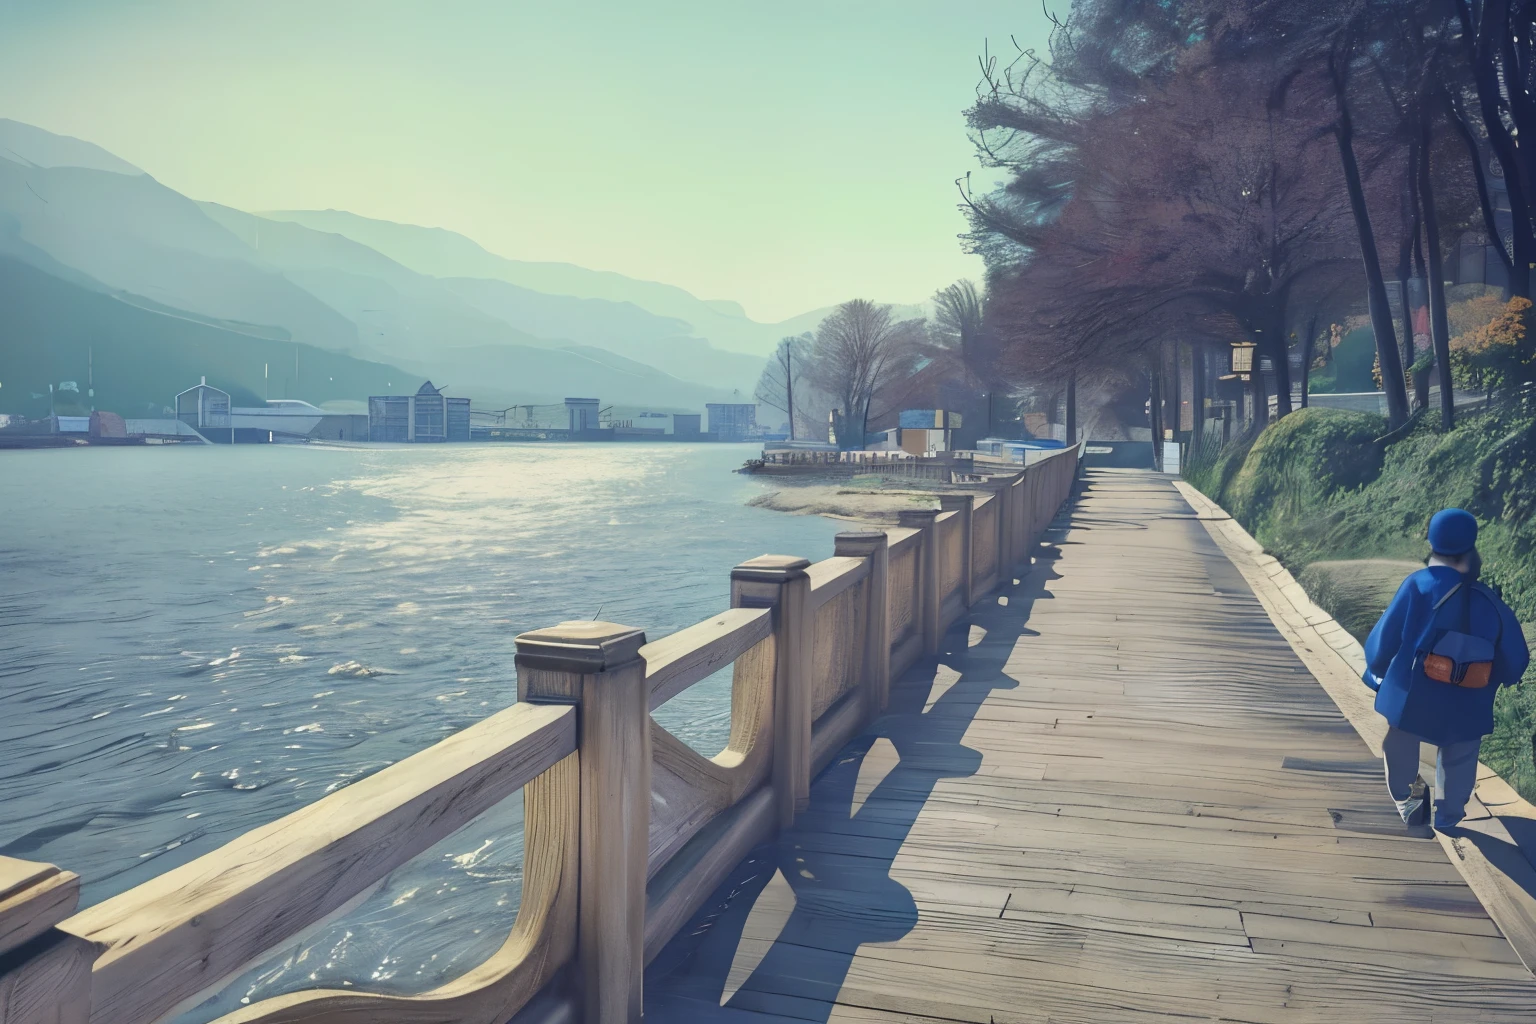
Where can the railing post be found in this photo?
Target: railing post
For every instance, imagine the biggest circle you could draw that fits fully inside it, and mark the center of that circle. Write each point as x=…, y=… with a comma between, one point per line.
x=45, y=974
x=597, y=666
x=780, y=582
x=876, y=676
x=928, y=572
x=965, y=504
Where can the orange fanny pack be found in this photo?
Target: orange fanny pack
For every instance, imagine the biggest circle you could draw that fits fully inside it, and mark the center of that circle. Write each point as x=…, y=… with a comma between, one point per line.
x=1442, y=668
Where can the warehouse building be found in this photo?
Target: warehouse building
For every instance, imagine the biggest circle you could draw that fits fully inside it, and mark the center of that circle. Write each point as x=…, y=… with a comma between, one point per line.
x=427, y=416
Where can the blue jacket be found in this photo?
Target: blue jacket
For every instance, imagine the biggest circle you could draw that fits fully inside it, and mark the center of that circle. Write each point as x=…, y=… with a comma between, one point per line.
x=1438, y=712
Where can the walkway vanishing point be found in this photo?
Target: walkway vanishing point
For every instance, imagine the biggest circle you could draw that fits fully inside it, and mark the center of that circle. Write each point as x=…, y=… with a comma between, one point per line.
x=1027, y=759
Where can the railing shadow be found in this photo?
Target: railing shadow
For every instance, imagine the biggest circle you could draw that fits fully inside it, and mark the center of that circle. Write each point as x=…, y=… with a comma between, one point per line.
x=779, y=936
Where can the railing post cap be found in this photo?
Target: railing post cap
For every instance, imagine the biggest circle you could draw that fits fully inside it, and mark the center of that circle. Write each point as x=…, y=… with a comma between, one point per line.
x=859, y=542
x=771, y=568
x=917, y=517
x=585, y=647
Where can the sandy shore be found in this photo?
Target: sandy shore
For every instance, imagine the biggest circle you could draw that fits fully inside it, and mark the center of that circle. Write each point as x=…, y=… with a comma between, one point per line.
x=871, y=504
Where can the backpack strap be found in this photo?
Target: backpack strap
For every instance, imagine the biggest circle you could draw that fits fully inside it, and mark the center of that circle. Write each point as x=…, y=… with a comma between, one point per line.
x=1447, y=597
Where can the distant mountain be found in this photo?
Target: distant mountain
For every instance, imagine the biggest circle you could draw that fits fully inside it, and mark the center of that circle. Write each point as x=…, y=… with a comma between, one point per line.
x=131, y=233
x=501, y=375
x=620, y=327
x=443, y=253
x=411, y=318
x=400, y=314
x=54, y=330
x=38, y=148
x=423, y=300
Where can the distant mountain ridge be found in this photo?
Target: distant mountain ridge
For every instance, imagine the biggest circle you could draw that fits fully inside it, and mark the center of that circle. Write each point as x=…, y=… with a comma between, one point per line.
x=26, y=144
x=404, y=298
x=443, y=253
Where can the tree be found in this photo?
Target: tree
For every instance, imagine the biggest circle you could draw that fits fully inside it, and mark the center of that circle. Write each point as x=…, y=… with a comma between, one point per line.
x=961, y=340
x=859, y=351
x=1201, y=210
x=776, y=387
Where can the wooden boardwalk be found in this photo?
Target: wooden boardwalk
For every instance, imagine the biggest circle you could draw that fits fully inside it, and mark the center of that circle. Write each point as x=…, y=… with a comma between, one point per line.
x=1116, y=796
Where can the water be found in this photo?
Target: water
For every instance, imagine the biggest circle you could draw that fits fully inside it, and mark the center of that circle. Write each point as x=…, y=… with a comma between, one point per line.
x=195, y=641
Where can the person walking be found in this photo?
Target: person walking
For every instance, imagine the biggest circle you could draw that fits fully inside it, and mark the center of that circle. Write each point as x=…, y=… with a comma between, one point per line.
x=1436, y=658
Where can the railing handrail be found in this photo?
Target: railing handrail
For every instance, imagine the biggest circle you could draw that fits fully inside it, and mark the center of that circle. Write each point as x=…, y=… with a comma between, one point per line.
x=169, y=938
x=832, y=576
x=677, y=661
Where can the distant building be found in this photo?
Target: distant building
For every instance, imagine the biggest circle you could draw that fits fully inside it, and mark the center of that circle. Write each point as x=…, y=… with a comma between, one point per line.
x=582, y=415
x=427, y=416
x=686, y=424
x=289, y=418
x=206, y=410
x=732, y=421
x=921, y=431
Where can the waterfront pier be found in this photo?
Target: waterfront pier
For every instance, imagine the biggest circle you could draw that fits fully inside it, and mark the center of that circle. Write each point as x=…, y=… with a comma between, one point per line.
x=1027, y=757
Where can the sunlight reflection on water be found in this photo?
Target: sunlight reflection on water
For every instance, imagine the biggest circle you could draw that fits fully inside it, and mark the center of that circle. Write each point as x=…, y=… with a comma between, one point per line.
x=197, y=641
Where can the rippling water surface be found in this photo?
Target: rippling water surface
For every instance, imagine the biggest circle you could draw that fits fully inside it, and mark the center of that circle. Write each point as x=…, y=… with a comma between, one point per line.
x=197, y=641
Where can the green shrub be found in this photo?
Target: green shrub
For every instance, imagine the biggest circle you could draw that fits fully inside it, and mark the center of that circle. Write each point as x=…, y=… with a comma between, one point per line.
x=1303, y=460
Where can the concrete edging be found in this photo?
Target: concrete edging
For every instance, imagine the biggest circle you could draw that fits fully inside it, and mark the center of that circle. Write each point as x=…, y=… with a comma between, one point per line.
x=1496, y=868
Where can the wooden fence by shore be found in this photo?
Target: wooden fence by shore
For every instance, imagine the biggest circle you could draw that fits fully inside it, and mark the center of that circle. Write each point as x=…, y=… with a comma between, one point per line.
x=942, y=467
x=627, y=830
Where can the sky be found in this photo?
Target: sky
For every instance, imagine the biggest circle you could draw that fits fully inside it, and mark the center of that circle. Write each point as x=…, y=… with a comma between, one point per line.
x=786, y=155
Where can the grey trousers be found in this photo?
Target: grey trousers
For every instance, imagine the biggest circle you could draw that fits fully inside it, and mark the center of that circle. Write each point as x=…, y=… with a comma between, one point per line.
x=1455, y=772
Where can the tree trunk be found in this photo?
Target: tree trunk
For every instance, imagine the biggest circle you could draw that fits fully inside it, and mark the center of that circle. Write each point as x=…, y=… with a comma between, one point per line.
x=1307, y=345
x=1486, y=76
x=1072, y=409
x=1405, y=263
x=1178, y=389
x=1458, y=119
x=1197, y=396
x=1407, y=339
x=1380, y=308
x=1155, y=409
x=1439, y=323
x=789, y=388
x=1281, y=359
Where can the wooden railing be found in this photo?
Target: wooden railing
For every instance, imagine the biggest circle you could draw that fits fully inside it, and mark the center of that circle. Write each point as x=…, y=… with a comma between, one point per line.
x=627, y=830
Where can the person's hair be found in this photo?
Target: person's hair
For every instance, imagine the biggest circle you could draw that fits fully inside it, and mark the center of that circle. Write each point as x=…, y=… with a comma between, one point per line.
x=1472, y=558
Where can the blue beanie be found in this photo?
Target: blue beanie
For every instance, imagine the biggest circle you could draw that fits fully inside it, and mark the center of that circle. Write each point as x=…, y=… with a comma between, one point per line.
x=1452, y=532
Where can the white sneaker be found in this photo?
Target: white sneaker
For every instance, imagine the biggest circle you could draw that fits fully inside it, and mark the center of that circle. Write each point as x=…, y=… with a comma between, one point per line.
x=1415, y=809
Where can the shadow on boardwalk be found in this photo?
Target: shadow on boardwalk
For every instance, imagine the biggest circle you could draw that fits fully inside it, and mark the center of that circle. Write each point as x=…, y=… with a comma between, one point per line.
x=778, y=937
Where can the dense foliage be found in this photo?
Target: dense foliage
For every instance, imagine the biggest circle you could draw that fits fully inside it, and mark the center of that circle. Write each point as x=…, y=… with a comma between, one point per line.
x=1213, y=171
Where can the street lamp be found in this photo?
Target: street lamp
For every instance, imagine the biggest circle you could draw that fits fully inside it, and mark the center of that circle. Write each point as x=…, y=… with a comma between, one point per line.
x=1242, y=360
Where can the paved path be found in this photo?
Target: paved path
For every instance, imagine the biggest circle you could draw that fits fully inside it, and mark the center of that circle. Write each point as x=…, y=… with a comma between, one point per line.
x=1118, y=796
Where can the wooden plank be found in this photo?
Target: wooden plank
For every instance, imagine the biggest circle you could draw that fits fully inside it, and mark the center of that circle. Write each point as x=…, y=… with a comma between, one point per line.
x=676, y=662
x=677, y=892
x=687, y=790
x=902, y=538
x=543, y=939
x=33, y=898
x=835, y=728
x=831, y=576
x=177, y=934
x=781, y=583
x=47, y=981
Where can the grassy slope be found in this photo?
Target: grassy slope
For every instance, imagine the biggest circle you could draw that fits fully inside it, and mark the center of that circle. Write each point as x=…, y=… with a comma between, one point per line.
x=1314, y=489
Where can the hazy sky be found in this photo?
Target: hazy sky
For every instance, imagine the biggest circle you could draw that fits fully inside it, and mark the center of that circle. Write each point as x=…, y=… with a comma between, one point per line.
x=787, y=154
